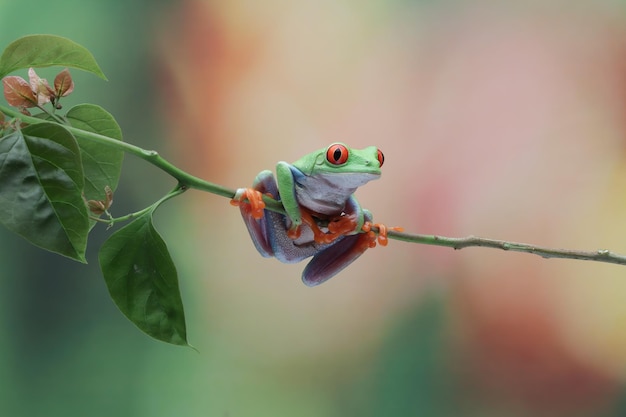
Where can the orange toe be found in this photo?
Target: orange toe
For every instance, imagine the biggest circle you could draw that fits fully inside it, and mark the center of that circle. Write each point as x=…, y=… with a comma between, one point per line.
x=254, y=199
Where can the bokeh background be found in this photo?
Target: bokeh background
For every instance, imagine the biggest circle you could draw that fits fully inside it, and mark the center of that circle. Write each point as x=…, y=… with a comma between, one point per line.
x=500, y=119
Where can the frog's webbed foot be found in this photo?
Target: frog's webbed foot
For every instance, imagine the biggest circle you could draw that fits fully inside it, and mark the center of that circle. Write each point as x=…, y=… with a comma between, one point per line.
x=382, y=233
x=254, y=205
x=258, y=222
x=337, y=226
x=344, y=251
x=343, y=225
x=347, y=247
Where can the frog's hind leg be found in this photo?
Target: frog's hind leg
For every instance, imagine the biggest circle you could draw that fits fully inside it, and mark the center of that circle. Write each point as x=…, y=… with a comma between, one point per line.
x=269, y=232
x=329, y=262
x=257, y=225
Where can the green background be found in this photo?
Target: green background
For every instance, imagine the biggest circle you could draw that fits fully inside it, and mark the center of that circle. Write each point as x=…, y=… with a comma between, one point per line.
x=65, y=350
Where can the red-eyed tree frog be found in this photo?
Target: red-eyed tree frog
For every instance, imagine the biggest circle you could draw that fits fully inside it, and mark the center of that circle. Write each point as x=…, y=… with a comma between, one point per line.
x=323, y=219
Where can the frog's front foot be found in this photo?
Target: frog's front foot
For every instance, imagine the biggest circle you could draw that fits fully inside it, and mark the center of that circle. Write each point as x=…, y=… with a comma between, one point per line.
x=254, y=205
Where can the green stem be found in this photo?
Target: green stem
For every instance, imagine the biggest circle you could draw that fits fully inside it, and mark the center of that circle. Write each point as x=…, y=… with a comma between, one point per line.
x=600, y=255
x=186, y=180
x=179, y=189
x=149, y=156
x=50, y=114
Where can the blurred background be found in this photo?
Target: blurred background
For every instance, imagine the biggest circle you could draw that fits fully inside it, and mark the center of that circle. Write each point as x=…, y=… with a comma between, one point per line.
x=499, y=119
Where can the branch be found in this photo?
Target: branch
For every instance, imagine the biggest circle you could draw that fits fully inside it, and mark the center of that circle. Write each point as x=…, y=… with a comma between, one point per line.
x=186, y=180
x=600, y=255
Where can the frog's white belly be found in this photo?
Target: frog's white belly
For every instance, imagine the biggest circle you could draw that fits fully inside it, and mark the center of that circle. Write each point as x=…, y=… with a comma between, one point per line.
x=328, y=193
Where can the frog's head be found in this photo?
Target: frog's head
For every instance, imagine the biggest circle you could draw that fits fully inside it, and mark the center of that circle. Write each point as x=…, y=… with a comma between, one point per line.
x=352, y=167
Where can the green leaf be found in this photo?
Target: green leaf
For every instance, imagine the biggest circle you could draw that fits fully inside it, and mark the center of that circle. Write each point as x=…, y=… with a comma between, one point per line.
x=46, y=51
x=142, y=280
x=41, y=183
x=102, y=165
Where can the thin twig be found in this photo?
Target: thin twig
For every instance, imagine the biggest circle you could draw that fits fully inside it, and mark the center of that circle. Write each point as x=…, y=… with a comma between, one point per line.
x=600, y=255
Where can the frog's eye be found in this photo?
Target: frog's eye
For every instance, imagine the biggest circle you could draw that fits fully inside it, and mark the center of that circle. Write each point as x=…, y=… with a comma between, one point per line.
x=381, y=158
x=337, y=154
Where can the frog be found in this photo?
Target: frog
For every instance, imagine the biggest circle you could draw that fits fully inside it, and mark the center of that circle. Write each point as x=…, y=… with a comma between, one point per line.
x=322, y=219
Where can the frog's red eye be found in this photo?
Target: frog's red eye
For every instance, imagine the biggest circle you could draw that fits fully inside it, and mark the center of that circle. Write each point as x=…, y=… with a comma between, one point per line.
x=337, y=154
x=381, y=158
